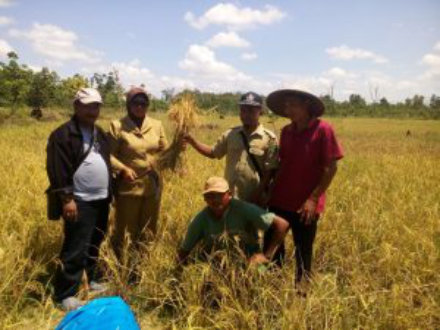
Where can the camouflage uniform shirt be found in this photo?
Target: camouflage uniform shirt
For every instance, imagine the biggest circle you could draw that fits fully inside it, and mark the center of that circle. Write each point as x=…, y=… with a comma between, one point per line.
x=240, y=172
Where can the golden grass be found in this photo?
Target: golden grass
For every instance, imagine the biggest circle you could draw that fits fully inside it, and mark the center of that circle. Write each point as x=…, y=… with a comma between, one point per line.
x=183, y=115
x=377, y=254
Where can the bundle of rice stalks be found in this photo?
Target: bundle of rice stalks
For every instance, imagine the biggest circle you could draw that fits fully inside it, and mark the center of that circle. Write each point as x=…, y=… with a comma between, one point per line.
x=183, y=114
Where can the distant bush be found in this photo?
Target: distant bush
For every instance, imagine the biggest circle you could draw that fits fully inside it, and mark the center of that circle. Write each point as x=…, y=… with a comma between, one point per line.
x=20, y=86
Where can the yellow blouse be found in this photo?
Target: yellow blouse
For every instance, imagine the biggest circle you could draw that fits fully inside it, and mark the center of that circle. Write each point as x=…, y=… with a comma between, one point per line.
x=136, y=148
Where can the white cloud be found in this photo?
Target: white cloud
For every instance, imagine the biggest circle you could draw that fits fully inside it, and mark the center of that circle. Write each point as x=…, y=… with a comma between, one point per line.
x=206, y=72
x=338, y=73
x=203, y=72
x=210, y=74
x=7, y=3
x=178, y=83
x=372, y=85
x=314, y=84
x=249, y=56
x=35, y=68
x=346, y=53
x=377, y=79
x=4, y=20
x=202, y=60
x=229, y=15
x=56, y=43
x=432, y=62
x=227, y=39
x=5, y=48
x=129, y=73
x=133, y=73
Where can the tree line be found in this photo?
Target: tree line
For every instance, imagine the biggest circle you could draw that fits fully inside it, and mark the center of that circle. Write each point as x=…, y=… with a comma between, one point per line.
x=21, y=86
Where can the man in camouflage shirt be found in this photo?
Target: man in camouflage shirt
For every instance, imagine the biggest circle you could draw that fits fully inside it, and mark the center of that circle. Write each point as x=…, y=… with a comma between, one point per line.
x=250, y=149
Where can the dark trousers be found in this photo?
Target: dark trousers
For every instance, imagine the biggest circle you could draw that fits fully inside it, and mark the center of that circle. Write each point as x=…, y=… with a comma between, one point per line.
x=80, y=250
x=303, y=238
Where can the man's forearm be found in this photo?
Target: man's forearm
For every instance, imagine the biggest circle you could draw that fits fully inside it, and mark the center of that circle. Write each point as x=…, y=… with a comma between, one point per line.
x=202, y=148
x=326, y=180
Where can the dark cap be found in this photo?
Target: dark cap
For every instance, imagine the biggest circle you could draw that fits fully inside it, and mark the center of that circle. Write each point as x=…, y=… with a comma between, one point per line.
x=252, y=99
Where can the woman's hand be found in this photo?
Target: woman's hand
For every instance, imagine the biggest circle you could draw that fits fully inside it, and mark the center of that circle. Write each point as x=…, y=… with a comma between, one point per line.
x=128, y=174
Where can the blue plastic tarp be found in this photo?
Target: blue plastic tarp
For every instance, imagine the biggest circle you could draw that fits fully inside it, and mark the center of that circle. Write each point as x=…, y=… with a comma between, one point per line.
x=103, y=313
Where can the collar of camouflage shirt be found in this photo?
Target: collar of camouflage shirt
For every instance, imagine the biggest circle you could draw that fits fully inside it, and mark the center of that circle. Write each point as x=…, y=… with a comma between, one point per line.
x=259, y=130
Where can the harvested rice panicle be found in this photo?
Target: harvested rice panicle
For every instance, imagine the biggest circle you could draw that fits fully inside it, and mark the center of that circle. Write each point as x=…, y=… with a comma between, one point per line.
x=183, y=113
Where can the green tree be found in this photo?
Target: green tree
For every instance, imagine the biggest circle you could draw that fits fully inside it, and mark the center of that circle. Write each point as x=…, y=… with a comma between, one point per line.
x=434, y=102
x=329, y=103
x=68, y=87
x=168, y=94
x=384, y=102
x=109, y=87
x=42, y=89
x=417, y=101
x=356, y=100
x=14, y=82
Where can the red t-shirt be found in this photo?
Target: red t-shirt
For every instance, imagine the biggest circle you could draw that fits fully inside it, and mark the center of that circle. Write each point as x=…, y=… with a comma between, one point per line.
x=303, y=157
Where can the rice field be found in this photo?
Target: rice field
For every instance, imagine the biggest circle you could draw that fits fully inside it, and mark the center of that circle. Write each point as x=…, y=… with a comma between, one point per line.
x=377, y=253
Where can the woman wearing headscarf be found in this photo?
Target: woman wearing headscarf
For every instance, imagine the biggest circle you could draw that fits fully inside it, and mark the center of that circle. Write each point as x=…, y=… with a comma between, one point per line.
x=135, y=142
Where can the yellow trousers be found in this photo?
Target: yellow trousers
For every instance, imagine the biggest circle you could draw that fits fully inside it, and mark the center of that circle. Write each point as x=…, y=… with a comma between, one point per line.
x=137, y=217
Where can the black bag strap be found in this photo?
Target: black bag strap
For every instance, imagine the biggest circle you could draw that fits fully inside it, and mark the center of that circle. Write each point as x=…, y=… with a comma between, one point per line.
x=251, y=156
x=77, y=165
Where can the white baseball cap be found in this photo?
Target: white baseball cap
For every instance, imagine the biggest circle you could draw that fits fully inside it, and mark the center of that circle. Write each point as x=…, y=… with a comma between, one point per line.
x=216, y=184
x=88, y=95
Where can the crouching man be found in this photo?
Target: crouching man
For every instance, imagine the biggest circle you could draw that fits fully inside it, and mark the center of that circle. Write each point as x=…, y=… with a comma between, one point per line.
x=225, y=215
x=78, y=167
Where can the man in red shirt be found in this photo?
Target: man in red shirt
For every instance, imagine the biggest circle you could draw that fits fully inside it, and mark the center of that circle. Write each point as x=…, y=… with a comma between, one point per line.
x=308, y=155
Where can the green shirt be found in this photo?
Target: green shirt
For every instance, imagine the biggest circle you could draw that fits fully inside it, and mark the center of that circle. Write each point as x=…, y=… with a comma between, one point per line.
x=240, y=222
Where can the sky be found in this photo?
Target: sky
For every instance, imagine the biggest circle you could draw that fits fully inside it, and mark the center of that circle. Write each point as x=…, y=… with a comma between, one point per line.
x=375, y=48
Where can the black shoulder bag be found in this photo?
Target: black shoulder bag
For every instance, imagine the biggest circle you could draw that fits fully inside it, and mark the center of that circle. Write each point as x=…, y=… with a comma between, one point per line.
x=251, y=156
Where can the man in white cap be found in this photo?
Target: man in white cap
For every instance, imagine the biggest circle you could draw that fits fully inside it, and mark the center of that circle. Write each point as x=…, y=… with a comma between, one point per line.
x=225, y=218
x=78, y=167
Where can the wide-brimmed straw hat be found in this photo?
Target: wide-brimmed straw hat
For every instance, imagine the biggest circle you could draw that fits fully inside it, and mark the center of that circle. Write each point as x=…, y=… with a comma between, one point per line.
x=276, y=101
